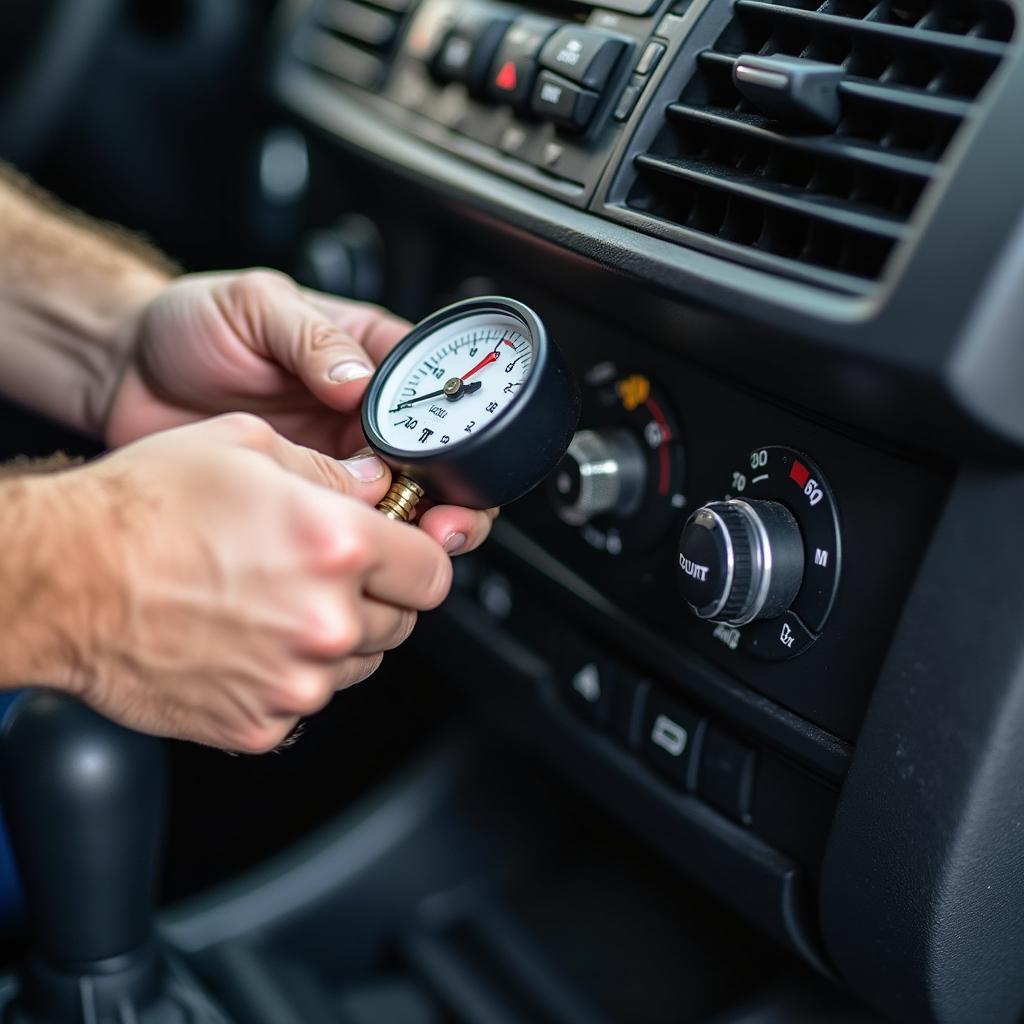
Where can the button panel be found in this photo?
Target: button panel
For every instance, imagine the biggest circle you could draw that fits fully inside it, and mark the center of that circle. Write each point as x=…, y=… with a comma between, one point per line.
x=696, y=755
x=515, y=66
x=539, y=94
x=669, y=738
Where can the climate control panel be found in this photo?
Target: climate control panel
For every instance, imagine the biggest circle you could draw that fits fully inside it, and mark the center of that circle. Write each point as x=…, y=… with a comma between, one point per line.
x=759, y=561
x=712, y=536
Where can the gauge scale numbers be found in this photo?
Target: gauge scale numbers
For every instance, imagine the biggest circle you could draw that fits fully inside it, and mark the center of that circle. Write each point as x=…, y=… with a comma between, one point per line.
x=455, y=383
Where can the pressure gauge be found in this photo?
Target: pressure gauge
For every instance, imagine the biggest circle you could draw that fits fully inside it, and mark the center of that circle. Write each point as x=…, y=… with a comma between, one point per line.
x=474, y=407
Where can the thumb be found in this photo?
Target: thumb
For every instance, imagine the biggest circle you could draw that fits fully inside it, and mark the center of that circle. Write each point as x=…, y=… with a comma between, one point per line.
x=362, y=475
x=304, y=340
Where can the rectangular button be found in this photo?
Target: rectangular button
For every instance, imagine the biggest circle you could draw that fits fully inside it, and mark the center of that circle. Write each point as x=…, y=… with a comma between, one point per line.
x=627, y=101
x=588, y=678
x=627, y=707
x=586, y=56
x=727, y=775
x=648, y=61
x=562, y=102
x=669, y=737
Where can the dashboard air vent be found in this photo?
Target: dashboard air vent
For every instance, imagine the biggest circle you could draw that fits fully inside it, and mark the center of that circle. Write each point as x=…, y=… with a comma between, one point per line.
x=826, y=203
x=352, y=39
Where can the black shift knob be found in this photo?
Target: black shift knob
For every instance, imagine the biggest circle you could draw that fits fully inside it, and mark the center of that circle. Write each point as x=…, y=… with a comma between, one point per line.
x=84, y=802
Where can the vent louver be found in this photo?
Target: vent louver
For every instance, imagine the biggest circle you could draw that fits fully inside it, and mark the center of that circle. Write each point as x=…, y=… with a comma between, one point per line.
x=827, y=206
x=352, y=39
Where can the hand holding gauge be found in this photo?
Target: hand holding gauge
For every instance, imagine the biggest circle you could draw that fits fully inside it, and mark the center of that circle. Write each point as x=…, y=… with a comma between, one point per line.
x=474, y=407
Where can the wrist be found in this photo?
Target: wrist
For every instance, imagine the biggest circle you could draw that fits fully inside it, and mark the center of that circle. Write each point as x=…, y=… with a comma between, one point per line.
x=120, y=344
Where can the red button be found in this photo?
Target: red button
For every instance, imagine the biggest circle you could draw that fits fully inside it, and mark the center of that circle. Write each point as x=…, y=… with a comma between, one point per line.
x=506, y=77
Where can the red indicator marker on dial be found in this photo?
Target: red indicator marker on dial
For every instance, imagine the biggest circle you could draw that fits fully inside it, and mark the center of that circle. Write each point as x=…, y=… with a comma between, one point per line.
x=489, y=358
x=799, y=473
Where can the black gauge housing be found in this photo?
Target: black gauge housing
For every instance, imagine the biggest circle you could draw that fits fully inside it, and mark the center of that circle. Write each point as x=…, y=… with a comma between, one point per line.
x=519, y=446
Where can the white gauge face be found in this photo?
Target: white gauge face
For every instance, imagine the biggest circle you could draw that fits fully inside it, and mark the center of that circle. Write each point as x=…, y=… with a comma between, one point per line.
x=451, y=384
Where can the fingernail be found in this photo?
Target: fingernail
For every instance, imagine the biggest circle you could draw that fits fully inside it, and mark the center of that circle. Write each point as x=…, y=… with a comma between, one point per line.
x=365, y=468
x=454, y=543
x=342, y=373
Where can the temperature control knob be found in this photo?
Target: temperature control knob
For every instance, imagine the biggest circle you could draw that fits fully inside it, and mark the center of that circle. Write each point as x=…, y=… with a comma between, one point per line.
x=603, y=472
x=740, y=561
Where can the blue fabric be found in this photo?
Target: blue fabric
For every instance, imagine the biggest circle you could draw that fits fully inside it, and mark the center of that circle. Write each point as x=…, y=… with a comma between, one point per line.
x=12, y=901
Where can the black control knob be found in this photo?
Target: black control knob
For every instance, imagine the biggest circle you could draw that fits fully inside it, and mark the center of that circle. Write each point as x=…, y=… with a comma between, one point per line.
x=740, y=561
x=603, y=472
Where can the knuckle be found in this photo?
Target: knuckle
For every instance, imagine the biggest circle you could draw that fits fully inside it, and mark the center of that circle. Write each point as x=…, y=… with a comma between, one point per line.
x=260, y=739
x=305, y=693
x=252, y=285
x=316, y=334
x=348, y=551
x=248, y=428
x=331, y=632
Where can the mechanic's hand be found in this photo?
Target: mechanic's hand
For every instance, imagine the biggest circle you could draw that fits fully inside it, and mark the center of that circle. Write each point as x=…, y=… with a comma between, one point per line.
x=254, y=341
x=229, y=581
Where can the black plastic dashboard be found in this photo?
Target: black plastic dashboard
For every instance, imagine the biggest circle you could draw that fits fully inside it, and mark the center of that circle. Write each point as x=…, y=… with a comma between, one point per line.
x=850, y=788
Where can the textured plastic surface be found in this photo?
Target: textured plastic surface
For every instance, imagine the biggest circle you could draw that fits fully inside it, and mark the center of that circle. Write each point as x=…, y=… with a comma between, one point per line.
x=923, y=880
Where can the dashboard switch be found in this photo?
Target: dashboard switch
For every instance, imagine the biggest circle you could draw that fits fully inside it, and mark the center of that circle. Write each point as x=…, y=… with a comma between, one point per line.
x=467, y=51
x=628, y=699
x=653, y=52
x=585, y=56
x=727, y=775
x=563, y=102
x=588, y=678
x=670, y=737
x=515, y=65
x=628, y=99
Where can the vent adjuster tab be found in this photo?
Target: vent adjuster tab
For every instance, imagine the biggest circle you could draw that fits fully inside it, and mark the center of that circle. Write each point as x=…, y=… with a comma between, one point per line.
x=791, y=89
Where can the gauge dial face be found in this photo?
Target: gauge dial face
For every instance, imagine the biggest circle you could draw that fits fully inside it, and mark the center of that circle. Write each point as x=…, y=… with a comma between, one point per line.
x=454, y=382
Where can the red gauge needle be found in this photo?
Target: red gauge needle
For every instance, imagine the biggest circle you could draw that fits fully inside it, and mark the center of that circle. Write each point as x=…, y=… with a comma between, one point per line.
x=489, y=358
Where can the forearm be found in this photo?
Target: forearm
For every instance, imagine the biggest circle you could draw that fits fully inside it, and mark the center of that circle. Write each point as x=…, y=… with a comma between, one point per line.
x=55, y=572
x=67, y=288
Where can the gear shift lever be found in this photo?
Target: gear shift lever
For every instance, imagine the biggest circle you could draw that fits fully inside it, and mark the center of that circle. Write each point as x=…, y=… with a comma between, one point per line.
x=84, y=801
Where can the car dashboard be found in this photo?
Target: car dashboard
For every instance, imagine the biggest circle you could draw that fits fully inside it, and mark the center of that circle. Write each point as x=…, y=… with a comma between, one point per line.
x=780, y=243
